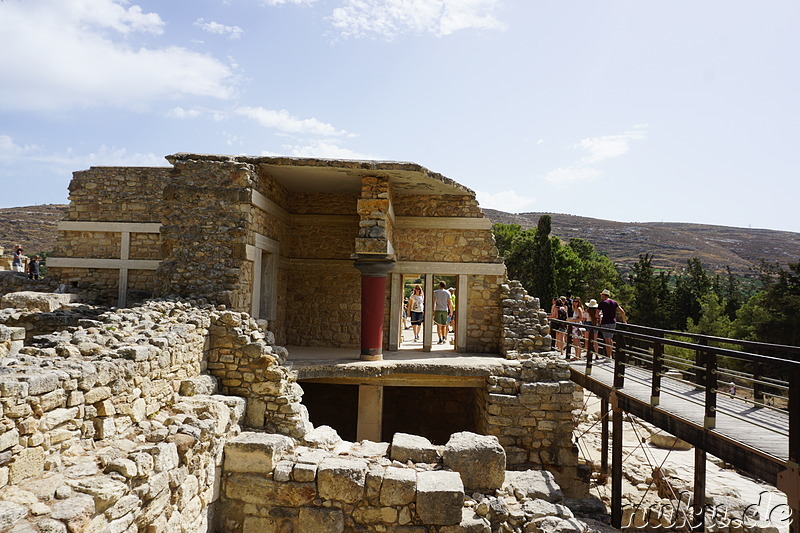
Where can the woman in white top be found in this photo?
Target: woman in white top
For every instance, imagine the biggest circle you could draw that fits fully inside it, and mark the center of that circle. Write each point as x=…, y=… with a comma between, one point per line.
x=416, y=309
x=577, y=330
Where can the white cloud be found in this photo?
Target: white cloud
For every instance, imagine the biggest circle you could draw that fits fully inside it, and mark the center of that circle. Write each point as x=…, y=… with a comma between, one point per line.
x=322, y=150
x=281, y=2
x=281, y=120
x=234, y=32
x=609, y=146
x=79, y=53
x=390, y=18
x=509, y=201
x=570, y=175
x=179, y=112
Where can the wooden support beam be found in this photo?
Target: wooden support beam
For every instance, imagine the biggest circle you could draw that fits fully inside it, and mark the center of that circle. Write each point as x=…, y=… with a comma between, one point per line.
x=604, y=436
x=616, y=468
x=699, y=500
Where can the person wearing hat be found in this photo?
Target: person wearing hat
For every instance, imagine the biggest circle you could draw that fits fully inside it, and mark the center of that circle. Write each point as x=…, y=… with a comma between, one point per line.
x=608, y=320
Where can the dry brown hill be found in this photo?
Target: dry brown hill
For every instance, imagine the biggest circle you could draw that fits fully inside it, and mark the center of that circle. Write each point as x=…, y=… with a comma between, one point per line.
x=32, y=227
x=670, y=243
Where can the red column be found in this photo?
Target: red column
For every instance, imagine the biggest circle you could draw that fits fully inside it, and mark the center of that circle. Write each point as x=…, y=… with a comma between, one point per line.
x=373, y=304
x=373, y=297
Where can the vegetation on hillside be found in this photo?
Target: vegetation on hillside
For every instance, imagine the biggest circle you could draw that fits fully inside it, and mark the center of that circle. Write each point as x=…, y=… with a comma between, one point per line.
x=693, y=299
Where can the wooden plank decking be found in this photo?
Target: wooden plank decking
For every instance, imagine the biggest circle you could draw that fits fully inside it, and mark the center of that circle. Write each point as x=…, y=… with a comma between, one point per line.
x=754, y=439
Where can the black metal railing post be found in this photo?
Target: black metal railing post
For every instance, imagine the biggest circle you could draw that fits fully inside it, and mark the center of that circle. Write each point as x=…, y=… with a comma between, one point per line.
x=710, y=421
x=619, y=360
x=658, y=365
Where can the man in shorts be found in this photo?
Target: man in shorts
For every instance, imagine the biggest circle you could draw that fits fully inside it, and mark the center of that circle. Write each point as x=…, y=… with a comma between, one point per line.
x=442, y=310
x=608, y=321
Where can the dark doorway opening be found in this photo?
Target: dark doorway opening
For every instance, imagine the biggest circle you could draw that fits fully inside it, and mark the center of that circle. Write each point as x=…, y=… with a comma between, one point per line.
x=431, y=412
x=332, y=405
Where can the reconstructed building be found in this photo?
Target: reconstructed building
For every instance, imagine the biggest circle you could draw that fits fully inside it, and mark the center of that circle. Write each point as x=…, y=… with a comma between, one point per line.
x=309, y=244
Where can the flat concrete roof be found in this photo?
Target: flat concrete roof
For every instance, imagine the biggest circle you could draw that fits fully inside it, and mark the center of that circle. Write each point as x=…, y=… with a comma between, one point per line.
x=299, y=174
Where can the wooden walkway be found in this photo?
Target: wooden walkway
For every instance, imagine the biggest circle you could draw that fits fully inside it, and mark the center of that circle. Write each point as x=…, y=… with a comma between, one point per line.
x=753, y=439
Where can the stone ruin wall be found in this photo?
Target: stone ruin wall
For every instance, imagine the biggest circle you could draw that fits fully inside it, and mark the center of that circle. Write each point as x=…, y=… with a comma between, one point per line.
x=116, y=194
x=204, y=249
x=113, y=424
x=111, y=194
x=104, y=427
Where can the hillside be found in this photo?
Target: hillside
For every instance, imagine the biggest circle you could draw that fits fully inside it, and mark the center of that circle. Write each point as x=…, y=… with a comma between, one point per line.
x=32, y=227
x=671, y=244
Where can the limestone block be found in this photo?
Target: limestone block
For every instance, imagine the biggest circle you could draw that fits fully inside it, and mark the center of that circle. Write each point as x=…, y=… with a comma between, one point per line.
x=165, y=456
x=9, y=439
x=342, y=479
x=40, y=383
x=283, y=471
x=103, y=489
x=324, y=437
x=104, y=428
x=440, y=497
x=10, y=514
x=48, y=525
x=37, y=301
x=123, y=506
x=304, y=472
x=56, y=417
x=321, y=520
x=480, y=459
x=204, y=384
x=669, y=442
x=533, y=484
x=258, y=489
x=97, y=394
x=470, y=523
x=413, y=448
x=255, y=452
x=256, y=411
x=27, y=463
x=399, y=486
x=75, y=511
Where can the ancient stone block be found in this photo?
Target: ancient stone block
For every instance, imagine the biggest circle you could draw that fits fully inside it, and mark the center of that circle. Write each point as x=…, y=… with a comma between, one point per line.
x=304, y=472
x=533, y=484
x=342, y=479
x=399, y=486
x=255, y=452
x=27, y=463
x=413, y=448
x=321, y=520
x=10, y=514
x=440, y=497
x=470, y=523
x=480, y=459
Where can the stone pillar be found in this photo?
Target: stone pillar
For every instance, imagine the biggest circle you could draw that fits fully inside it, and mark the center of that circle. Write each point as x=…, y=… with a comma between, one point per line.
x=374, y=259
x=373, y=303
x=370, y=413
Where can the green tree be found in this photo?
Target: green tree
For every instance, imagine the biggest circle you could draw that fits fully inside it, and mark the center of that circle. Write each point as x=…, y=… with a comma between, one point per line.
x=773, y=315
x=690, y=287
x=650, y=294
x=504, y=235
x=713, y=320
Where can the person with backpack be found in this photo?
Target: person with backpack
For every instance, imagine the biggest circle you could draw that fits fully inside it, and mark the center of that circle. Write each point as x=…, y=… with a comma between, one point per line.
x=559, y=311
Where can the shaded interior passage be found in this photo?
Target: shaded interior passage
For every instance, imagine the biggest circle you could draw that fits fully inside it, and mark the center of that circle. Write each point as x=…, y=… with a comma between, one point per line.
x=332, y=405
x=431, y=412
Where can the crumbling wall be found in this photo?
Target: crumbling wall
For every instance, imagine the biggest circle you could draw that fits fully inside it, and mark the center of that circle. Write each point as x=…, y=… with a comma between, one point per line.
x=111, y=425
x=332, y=486
x=110, y=194
x=529, y=405
x=206, y=229
x=525, y=326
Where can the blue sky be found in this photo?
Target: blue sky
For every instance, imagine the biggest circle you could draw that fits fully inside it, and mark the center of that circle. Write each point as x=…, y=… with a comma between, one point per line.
x=637, y=110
